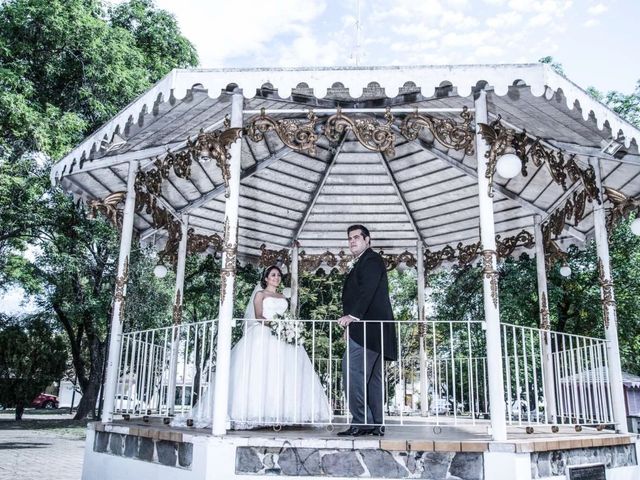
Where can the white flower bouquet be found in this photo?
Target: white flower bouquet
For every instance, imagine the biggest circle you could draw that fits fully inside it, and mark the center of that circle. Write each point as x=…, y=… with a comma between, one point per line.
x=287, y=329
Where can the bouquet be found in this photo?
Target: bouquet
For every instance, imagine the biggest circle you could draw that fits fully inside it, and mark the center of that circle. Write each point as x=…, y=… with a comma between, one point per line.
x=287, y=329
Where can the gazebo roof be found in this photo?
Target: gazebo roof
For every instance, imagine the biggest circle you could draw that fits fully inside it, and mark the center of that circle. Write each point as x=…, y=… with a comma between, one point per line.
x=424, y=190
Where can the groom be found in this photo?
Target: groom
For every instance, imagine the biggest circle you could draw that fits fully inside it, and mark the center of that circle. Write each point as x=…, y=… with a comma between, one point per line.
x=365, y=299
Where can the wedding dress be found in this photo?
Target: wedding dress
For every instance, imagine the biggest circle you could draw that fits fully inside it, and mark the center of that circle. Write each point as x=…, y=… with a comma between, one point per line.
x=273, y=382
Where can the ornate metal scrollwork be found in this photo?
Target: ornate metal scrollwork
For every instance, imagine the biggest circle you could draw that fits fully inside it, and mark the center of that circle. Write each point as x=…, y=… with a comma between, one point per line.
x=507, y=246
x=500, y=140
x=215, y=146
x=545, y=323
x=433, y=260
x=177, y=308
x=119, y=294
x=108, y=207
x=273, y=257
x=229, y=259
x=467, y=253
x=298, y=135
x=371, y=134
x=458, y=136
x=198, y=243
x=392, y=261
x=310, y=263
x=490, y=273
x=607, y=294
x=622, y=207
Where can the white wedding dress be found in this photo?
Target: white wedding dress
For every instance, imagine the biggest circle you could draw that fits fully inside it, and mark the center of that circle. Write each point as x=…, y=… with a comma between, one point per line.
x=273, y=382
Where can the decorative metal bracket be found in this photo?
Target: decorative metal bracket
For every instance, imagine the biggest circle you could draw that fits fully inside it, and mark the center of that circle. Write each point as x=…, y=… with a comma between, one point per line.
x=298, y=135
x=622, y=207
x=490, y=273
x=274, y=257
x=371, y=134
x=502, y=140
x=545, y=323
x=108, y=207
x=458, y=136
x=507, y=246
x=119, y=294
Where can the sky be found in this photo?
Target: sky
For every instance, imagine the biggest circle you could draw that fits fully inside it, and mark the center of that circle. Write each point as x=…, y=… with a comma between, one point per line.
x=593, y=40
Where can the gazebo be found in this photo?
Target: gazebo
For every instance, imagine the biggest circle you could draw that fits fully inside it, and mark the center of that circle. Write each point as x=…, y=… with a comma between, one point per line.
x=444, y=164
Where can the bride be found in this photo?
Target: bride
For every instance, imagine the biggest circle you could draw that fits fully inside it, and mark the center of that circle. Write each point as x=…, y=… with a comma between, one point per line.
x=272, y=382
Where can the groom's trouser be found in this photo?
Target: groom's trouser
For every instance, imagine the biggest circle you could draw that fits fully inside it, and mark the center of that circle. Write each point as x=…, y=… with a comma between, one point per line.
x=362, y=372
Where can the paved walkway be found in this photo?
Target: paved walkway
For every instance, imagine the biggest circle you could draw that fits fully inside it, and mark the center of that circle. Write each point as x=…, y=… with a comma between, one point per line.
x=42, y=447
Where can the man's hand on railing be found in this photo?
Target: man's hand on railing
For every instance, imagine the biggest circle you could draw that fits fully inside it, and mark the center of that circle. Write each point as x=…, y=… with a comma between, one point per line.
x=346, y=320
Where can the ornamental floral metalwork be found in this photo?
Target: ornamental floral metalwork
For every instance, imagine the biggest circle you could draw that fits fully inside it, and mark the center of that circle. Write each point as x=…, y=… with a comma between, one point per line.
x=491, y=274
x=177, y=308
x=500, y=140
x=622, y=207
x=503, y=140
x=608, y=301
x=273, y=257
x=458, y=136
x=433, y=260
x=507, y=246
x=298, y=135
x=229, y=260
x=370, y=133
x=310, y=262
x=545, y=323
x=343, y=262
x=108, y=207
x=198, y=243
x=215, y=146
x=119, y=295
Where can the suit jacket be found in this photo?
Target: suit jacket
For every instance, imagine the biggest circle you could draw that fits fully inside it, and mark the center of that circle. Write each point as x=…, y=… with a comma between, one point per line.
x=365, y=295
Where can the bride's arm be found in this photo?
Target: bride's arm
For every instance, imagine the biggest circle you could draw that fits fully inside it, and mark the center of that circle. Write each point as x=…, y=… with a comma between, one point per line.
x=257, y=304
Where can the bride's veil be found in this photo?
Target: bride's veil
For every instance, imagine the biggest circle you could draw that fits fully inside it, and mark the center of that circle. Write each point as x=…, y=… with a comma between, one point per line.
x=250, y=311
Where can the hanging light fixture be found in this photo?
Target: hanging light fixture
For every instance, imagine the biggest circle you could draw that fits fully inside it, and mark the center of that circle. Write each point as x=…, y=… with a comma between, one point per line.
x=565, y=270
x=509, y=164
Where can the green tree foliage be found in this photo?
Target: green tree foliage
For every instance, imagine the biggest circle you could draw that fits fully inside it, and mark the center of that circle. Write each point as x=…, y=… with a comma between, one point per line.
x=627, y=106
x=32, y=356
x=65, y=68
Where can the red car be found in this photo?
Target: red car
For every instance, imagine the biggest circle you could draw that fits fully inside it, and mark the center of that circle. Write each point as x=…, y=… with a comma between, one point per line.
x=44, y=400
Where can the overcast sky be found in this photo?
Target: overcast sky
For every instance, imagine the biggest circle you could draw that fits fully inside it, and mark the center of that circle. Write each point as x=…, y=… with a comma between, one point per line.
x=597, y=42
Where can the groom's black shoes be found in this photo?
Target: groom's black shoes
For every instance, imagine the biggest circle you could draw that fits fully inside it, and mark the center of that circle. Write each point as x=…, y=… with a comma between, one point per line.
x=355, y=432
x=377, y=431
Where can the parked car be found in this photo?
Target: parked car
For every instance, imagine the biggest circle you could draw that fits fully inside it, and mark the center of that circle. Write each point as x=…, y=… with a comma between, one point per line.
x=440, y=406
x=44, y=400
x=123, y=404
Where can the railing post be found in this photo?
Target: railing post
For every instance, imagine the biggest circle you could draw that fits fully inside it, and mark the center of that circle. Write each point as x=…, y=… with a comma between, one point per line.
x=490, y=281
x=545, y=326
x=115, y=341
x=608, y=305
x=177, y=315
x=228, y=274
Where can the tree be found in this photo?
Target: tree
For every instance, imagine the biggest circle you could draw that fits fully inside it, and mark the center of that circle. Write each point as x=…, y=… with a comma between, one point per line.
x=32, y=356
x=627, y=106
x=67, y=67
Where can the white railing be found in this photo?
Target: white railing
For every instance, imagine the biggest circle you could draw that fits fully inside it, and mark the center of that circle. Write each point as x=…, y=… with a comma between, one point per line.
x=297, y=373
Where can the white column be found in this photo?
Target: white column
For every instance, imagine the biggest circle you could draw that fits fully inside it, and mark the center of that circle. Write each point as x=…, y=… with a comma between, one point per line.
x=177, y=315
x=115, y=341
x=543, y=301
x=228, y=276
x=490, y=283
x=609, y=307
x=424, y=394
x=293, y=269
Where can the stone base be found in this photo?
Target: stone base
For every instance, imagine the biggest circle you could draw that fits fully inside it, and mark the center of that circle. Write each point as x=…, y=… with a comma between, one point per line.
x=115, y=451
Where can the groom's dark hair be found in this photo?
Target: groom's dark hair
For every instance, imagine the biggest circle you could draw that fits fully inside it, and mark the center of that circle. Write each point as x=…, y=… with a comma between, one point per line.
x=267, y=271
x=362, y=228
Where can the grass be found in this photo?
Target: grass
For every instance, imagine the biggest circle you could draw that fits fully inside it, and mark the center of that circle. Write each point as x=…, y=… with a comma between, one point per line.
x=65, y=426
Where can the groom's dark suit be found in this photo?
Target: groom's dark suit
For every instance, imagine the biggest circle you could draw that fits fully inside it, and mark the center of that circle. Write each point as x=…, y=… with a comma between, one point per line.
x=365, y=296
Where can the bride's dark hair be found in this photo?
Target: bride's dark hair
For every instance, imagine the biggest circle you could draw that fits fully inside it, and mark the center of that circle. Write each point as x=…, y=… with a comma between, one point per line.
x=263, y=279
